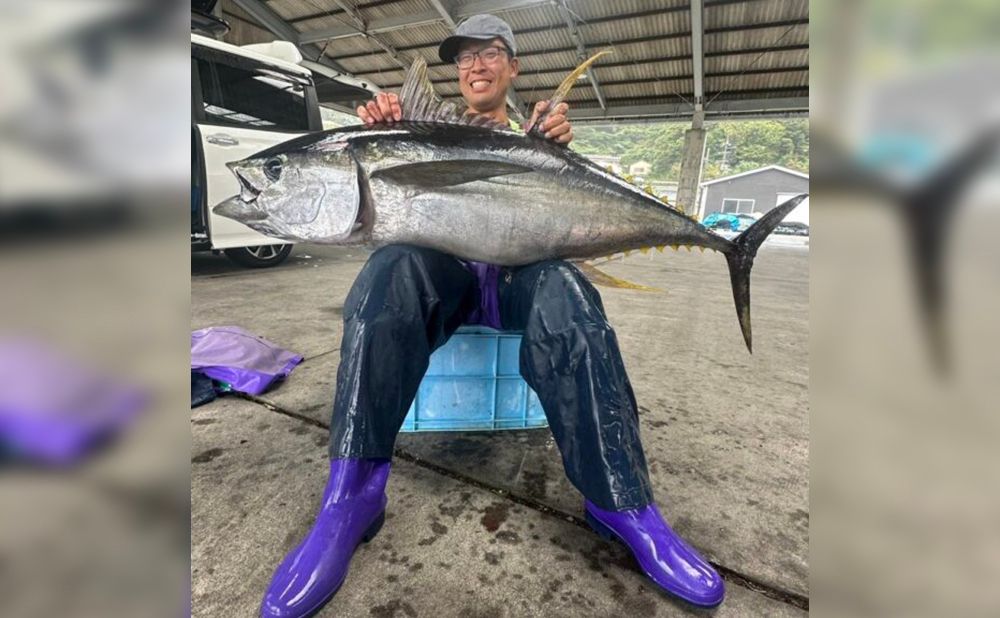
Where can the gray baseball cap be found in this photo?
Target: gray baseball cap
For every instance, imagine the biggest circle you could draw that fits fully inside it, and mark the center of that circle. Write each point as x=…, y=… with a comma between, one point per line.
x=481, y=28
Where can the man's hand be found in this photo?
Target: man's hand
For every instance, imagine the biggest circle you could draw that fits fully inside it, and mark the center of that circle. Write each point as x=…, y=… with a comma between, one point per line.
x=556, y=127
x=383, y=108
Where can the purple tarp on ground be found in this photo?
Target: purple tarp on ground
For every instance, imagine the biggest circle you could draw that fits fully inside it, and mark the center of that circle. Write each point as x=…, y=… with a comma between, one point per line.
x=54, y=410
x=248, y=363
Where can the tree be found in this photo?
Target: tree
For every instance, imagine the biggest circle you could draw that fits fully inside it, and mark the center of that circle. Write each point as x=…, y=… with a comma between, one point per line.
x=751, y=144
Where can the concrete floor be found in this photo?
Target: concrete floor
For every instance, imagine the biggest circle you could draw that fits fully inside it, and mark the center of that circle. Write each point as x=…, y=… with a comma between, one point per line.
x=486, y=524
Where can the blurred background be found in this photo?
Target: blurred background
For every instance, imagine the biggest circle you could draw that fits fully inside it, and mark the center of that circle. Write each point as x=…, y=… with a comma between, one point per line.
x=905, y=182
x=94, y=166
x=94, y=161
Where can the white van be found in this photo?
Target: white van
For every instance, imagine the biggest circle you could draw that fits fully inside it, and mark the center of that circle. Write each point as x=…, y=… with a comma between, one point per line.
x=243, y=100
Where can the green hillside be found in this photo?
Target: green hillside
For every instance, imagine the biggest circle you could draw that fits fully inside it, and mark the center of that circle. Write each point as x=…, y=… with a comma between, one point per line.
x=733, y=146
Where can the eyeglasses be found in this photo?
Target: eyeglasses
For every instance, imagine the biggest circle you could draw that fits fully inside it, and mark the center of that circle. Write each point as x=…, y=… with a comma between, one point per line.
x=490, y=55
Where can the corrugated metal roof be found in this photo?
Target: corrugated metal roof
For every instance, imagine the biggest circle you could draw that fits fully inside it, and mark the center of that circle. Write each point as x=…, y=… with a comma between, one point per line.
x=669, y=26
x=588, y=11
x=755, y=50
x=429, y=35
x=292, y=9
x=542, y=16
x=756, y=39
x=378, y=10
x=243, y=28
x=770, y=60
x=755, y=12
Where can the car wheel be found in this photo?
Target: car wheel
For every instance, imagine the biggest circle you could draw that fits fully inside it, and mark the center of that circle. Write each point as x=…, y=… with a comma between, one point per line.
x=261, y=256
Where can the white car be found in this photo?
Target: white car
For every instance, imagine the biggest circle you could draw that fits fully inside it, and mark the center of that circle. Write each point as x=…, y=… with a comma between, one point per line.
x=244, y=99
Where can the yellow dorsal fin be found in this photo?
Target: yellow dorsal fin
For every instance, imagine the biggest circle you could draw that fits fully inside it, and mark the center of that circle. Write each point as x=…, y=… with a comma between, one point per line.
x=567, y=84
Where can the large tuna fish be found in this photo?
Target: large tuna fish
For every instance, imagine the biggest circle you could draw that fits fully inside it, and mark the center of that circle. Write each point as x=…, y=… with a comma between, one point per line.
x=470, y=187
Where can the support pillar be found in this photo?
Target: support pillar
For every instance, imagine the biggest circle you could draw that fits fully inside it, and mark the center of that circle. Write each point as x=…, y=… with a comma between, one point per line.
x=691, y=161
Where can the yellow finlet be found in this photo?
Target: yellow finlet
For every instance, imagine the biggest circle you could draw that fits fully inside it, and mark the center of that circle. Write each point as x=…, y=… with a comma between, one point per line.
x=674, y=247
x=644, y=250
x=701, y=249
x=660, y=248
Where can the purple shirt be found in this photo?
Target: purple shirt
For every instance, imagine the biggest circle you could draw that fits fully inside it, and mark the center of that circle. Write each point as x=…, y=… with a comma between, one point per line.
x=487, y=313
x=488, y=276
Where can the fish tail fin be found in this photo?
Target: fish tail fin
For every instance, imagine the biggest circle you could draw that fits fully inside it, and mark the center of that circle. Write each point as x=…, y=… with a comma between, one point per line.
x=740, y=258
x=567, y=84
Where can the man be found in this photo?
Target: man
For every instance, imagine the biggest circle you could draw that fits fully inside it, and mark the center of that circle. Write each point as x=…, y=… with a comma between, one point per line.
x=407, y=301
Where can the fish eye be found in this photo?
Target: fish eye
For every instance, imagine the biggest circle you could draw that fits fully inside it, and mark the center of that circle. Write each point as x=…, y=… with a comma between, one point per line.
x=272, y=169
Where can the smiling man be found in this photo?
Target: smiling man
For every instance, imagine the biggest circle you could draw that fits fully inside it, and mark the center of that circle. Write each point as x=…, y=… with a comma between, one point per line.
x=407, y=301
x=484, y=51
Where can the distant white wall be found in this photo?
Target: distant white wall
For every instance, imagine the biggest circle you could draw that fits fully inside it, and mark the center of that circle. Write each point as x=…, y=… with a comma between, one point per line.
x=800, y=213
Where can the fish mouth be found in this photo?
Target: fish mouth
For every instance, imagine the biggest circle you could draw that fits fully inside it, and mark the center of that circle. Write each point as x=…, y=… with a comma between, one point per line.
x=238, y=209
x=248, y=192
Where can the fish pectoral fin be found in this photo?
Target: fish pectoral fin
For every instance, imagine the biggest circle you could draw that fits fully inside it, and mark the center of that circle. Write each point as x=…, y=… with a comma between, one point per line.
x=599, y=277
x=432, y=174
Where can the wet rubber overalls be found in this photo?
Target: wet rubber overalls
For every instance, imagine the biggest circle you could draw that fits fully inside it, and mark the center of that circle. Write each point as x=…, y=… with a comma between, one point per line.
x=407, y=301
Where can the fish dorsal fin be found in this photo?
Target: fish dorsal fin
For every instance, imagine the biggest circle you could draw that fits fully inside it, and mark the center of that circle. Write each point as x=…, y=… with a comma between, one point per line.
x=567, y=84
x=419, y=103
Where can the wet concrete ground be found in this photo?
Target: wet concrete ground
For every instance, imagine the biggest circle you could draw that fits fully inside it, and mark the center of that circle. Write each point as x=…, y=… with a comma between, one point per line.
x=486, y=524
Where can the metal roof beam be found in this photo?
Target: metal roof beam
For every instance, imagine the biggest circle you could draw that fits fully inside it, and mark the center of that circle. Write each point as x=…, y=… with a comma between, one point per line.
x=421, y=18
x=581, y=49
x=761, y=94
x=670, y=78
x=475, y=7
x=790, y=106
x=352, y=13
x=284, y=31
x=443, y=12
x=335, y=12
x=377, y=26
x=269, y=19
x=361, y=27
x=644, y=39
x=641, y=61
x=698, y=52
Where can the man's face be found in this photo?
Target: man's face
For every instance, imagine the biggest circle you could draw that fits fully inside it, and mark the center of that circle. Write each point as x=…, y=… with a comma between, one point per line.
x=484, y=85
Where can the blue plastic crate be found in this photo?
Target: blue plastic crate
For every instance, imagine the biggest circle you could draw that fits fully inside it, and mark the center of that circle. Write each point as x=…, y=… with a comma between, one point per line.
x=474, y=383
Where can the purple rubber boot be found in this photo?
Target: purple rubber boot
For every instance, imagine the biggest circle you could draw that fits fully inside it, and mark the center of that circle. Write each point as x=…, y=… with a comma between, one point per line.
x=352, y=511
x=672, y=564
